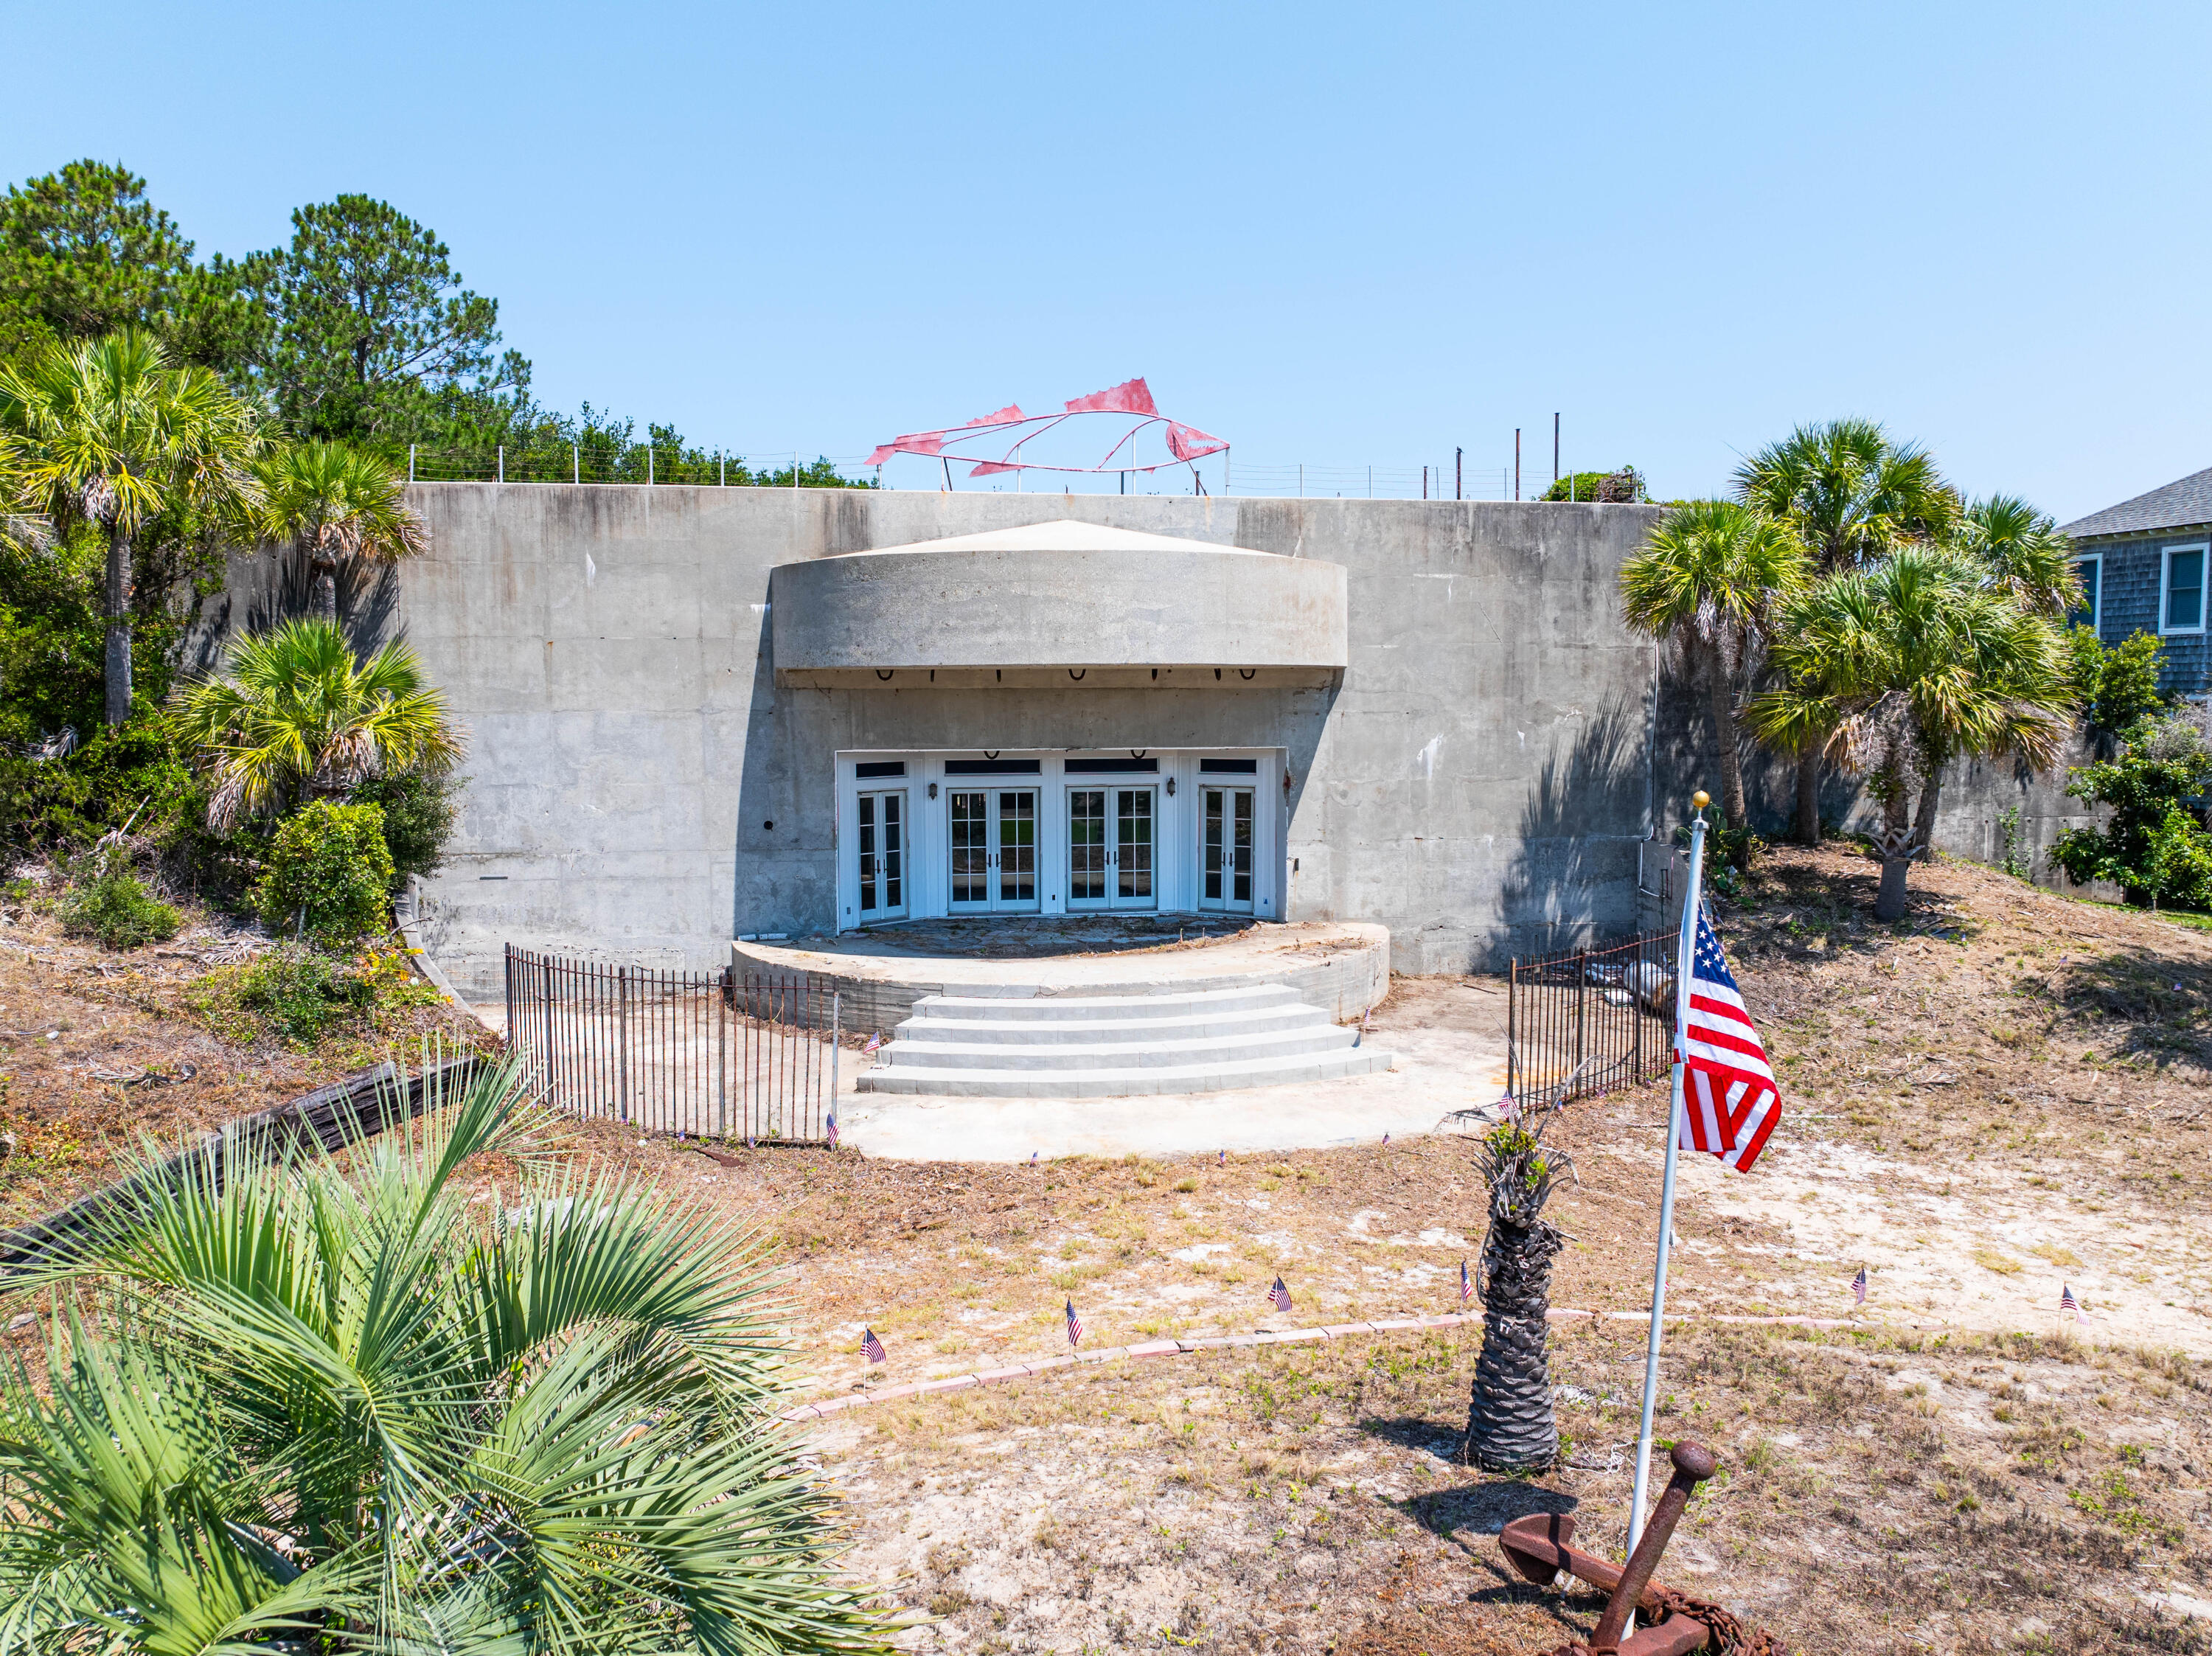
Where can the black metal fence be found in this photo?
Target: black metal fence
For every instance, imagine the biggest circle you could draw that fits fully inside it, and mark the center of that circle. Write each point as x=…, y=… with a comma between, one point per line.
x=1585, y=1021
x=713, y=1054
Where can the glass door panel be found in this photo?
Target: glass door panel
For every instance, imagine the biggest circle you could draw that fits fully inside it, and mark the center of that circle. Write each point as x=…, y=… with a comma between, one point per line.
x=1132, y=848
x=1087, y=854
x=970, y=825
x=1015, y=849
x=1225, y=850
x=882, y=839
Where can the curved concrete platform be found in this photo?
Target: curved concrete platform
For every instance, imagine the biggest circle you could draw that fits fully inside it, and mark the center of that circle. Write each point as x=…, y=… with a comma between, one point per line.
x=1341, y=968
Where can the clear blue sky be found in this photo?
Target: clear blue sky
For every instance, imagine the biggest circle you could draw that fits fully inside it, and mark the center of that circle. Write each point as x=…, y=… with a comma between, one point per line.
x=1341, y=235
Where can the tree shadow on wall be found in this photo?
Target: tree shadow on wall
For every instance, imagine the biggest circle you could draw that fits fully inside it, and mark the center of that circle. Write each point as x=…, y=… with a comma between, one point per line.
x=278, y=586
x=1573, y=875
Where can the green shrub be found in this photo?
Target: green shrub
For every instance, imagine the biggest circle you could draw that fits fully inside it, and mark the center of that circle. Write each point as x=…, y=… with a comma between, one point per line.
x=418, y=809
x=1624, y=486
x=111, y=904
x=299, y=995
x=329, y=874
x=2156, y=847
x=2116, y=686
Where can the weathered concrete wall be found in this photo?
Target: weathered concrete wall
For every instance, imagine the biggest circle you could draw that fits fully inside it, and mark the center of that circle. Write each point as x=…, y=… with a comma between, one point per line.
x=638, y=784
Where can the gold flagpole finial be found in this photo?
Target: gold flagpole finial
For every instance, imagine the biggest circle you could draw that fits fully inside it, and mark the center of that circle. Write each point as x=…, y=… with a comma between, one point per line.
x=1700, y=799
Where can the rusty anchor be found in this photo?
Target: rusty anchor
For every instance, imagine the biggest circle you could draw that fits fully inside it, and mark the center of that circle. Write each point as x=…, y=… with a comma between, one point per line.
x=1537, y=1546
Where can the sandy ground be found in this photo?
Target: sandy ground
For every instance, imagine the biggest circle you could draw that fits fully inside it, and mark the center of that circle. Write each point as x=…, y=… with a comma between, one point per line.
x=2003, y=1096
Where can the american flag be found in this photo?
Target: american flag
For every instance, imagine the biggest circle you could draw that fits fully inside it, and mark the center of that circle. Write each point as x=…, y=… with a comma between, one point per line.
x=833, y=1133
x=1729, y=1101
x=871, y=1347
x=1074, y=1325
x=874, y=1041
x=1465, y=1287
x=2068, y=1302
x=1225, y=1159
x=1858, y=1286
x=1033, y=1156
x=1279, y=1297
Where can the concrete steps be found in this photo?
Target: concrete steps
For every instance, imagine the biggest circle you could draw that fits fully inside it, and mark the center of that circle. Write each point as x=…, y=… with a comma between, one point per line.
x=1117, y=1045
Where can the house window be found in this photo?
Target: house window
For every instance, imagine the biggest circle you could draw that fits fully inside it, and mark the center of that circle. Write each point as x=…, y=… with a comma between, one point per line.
x=2181, y=607
x=2091, y=569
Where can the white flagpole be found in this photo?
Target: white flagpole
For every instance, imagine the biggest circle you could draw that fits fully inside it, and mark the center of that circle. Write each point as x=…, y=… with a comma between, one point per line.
x=1685, y=947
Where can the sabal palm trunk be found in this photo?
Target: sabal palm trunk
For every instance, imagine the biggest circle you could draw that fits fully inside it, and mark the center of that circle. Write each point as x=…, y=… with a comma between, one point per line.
x=1509, y=1423
x=326, y=588
x=118, y=607
x=1807, y=828
x=1896, y=844
x=1726, y=739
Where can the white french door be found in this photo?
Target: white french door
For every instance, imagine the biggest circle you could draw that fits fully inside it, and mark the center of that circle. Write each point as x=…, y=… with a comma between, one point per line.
x=1112, y=847
x=992, y=834
x=882, y=840
x=1224, y=849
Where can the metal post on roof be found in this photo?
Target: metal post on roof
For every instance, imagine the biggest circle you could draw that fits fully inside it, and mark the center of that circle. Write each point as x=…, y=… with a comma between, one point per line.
x=1555, y=446
x=794, y=468
x=410, y=462
x=502, y=462
x=726, y=469
x=1517, y=463
x=575, y=463
x=1459, y=474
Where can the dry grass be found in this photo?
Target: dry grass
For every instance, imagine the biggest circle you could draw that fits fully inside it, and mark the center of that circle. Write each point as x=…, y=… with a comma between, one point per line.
x=98, y=1052
x=2009, y=1080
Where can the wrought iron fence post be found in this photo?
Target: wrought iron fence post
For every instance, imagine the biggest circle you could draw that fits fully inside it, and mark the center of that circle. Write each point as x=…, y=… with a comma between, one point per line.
x=622, y=1025
x=545, y=988
x=836, y=1008
x=1512, y=1003
x=722, y=1055
x=1582, y=1003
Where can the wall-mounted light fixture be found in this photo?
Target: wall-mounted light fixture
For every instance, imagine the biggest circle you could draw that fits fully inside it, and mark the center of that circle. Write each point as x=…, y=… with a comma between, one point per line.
x=932, y=790
x=1171, y=787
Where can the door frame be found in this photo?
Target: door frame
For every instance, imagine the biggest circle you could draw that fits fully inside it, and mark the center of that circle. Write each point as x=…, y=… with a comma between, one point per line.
x=1226, y=903
x=1109, y=786
x=904, y=851
x=994, y=792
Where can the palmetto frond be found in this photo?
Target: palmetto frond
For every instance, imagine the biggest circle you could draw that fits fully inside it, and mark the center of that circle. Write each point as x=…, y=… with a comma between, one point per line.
x=333, y=1399
x=1912, y=661
x=106, y=432
x=1853, y=494
x=294, y=712
x=338, y=502
x=1712, y=573
x=2026, y=557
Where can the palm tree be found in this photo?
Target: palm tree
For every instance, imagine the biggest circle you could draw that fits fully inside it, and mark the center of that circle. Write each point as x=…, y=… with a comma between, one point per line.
x=1901, y=667
x=105, y=432
x=328, y=1404
x=1854, y=495
x=294, y=715
x=336, y=504
x=1707, y=582
x=1510, y=1425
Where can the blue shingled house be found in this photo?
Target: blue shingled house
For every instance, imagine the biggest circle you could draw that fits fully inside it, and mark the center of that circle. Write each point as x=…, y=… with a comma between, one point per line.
x=2143, y=568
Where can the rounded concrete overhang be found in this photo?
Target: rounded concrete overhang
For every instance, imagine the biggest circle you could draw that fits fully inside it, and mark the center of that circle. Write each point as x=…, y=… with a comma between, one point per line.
x=1063, y=604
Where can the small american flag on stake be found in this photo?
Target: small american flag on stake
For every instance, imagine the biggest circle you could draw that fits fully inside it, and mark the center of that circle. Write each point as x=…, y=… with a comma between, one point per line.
x=1074, y=1326
x=2068, y=1302
x=871, y=1347
x=1730, y=1104
x=1279, y=1297
x=874, y=1041
x=1858, y=1286
x=1466, y=1286
x=833, y=1133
